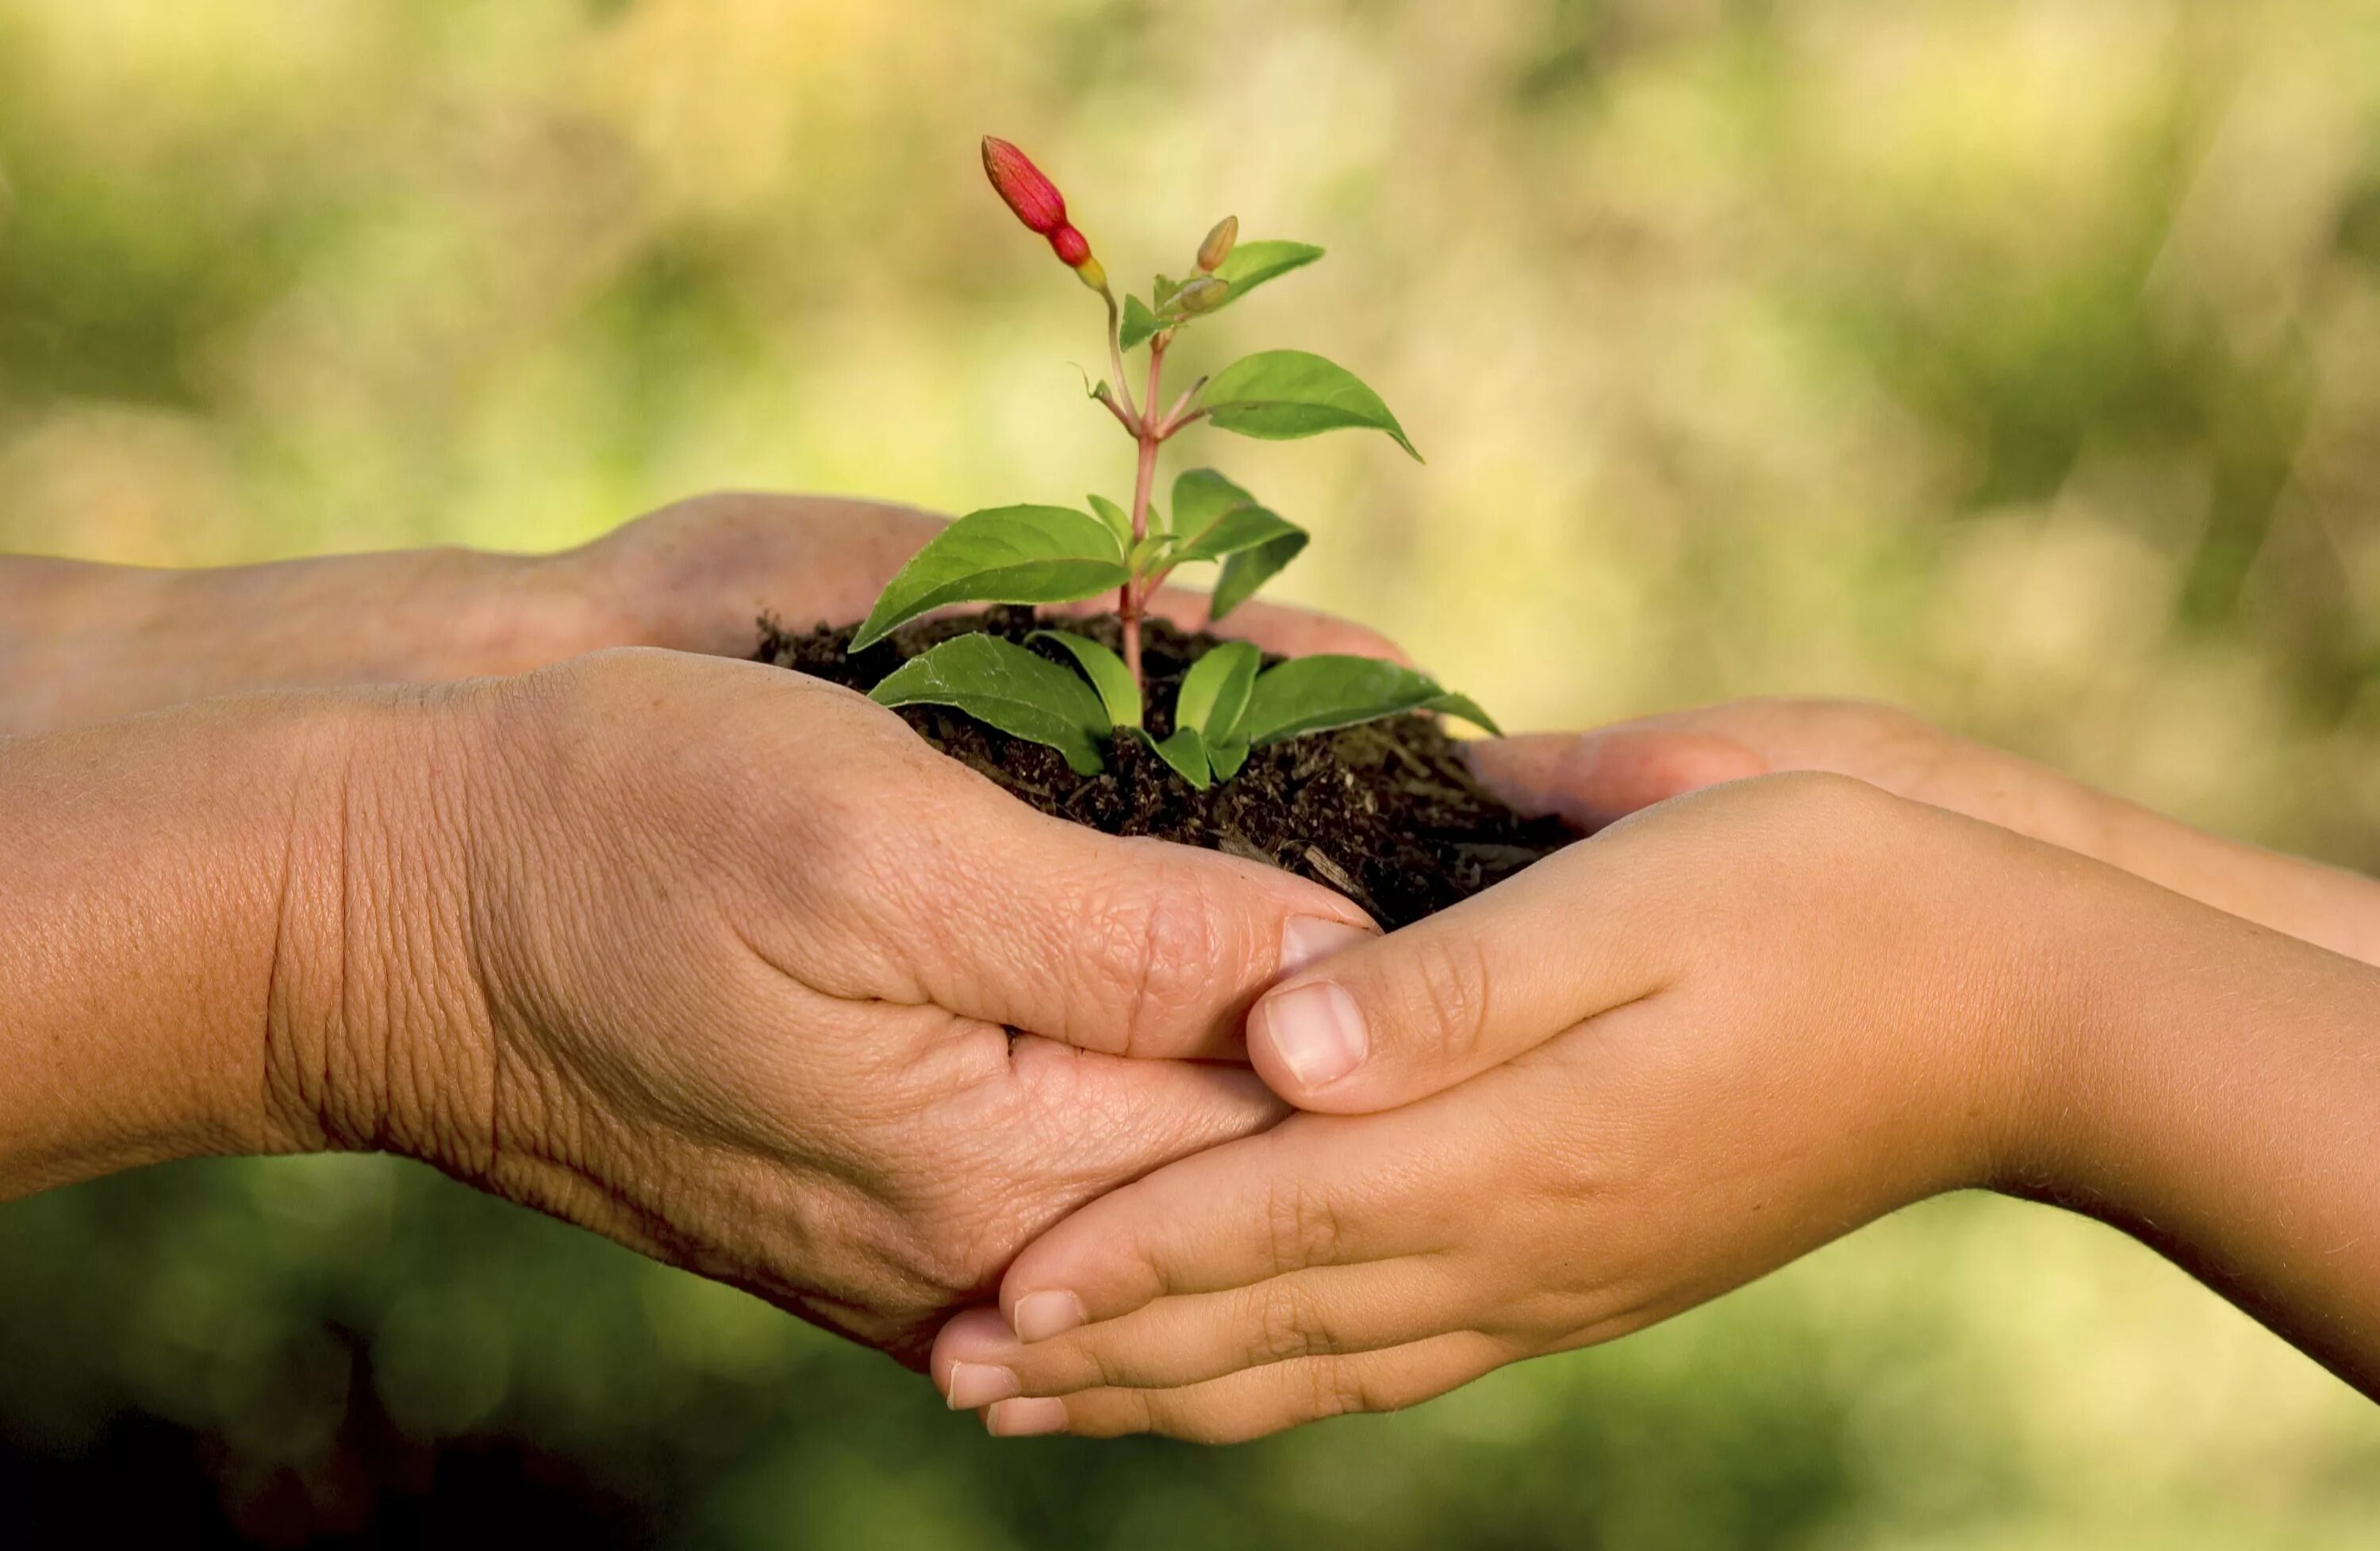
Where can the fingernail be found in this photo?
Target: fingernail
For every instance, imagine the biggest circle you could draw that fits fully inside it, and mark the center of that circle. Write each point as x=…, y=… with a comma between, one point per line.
x=976, y=1385
x=1027, y=1419
x=1315, y=1030
x=1309, y=940
x=1040, y=1315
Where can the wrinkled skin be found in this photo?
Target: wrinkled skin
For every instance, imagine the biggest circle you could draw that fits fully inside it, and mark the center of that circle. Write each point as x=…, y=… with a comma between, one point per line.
x=724, y=962
x=81, y=643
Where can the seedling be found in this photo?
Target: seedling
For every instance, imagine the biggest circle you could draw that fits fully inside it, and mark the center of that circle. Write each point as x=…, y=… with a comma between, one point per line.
x=1057, y=554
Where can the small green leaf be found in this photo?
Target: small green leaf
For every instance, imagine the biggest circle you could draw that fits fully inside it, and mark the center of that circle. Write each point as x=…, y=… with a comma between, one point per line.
x=1250, y=569
x=1022, y=693
x=1118, y=520
x=1215, y=691
x=1200, y=495
x=1250, y=264
x=1145, y=554
x=1242, y=528
x=1187, y=752
x=1227, y=758
x=1161, y=294
x=1317, y=694
x=1107, y=672
x=1006, y=554
x=1278, y=395
x=1139, y=322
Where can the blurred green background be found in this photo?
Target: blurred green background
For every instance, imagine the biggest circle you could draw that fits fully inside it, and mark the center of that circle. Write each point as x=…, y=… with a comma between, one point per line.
x=2017, y=361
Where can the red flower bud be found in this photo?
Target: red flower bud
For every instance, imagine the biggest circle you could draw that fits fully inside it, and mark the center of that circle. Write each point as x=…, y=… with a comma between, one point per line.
x=1038, y=204
x=1034, y=198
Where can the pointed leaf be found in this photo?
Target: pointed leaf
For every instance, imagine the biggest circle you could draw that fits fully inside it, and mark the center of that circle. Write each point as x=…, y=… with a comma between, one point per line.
x=1250, y=264
x=1118, y=520
x=1118, y=691
x=1187, y=752
x=1215, y=691
x=1006, y=554
x=1139, y=322
x=1250, y=569
x=1022, y=693
x=1200, y=495
x=1317, y=694
x=1278, y=395
x=1227, y=758
x=1242, y=528
x=1145, y=554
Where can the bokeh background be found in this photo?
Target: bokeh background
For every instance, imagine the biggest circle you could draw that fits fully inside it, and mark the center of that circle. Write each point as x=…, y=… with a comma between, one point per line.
x=2015, y=359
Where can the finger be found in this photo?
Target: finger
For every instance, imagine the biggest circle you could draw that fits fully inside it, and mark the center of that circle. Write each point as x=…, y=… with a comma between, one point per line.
x=1327, y=1311
x=1277, y=627
x=1591, y=779
x=1316, y=1190
x=697, y=574
x=1401, y=1017
x=1133, y=947
x=1262, y=1401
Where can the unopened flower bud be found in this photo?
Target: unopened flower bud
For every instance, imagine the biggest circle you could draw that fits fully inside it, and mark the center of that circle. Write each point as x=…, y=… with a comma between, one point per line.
x=1218, y=246
x=1202, y=295
x=1038, y=204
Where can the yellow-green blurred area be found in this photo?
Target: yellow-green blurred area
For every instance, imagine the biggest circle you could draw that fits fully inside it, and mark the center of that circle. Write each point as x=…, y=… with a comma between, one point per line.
x=2017, y=361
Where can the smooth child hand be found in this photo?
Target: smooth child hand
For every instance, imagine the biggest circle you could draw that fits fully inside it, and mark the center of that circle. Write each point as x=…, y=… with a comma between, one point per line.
x=1593, y=778
x=1645, y=1072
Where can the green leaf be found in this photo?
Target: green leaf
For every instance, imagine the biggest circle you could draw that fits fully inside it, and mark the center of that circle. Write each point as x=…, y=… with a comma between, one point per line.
x=1020, y=692
x=1250, y=569
x=1200, y=495
x=1118, y=521
x=1242, y=527
x=1250, y=264
x=1162, y=292
x=1007, y=554
x=1278, y=395
x=1317, y=694
x=1215, y=691
x=1227, y=758
x=1187, y=752
x=1118, y=691
x=1139, y=322
x=1145, y=554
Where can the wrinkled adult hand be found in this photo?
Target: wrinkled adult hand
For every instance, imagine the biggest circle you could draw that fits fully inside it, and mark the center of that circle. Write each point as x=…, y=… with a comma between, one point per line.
x=1644, y=1072
x=726, y=963
x=1593, y=778
x=82, y=642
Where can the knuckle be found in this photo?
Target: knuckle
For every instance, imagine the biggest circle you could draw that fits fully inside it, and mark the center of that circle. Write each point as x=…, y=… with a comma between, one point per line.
x=1156, y=943
x=1287, y=1325
x=1336, y=1387
x=1451, y=988
x=1305, y=1227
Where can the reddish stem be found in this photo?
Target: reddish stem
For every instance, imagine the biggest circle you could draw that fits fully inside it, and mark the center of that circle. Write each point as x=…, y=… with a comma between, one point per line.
x=1134, y=599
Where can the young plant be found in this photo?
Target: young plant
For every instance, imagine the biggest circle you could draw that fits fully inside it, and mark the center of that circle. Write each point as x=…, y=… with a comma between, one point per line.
x=1057, y=554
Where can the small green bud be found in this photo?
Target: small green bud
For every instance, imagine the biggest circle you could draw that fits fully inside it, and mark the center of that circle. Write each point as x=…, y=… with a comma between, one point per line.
x=1202, y=295
x=1218, y=246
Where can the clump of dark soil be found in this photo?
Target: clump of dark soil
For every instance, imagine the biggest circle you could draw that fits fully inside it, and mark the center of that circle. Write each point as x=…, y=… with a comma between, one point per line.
x=1386, y=813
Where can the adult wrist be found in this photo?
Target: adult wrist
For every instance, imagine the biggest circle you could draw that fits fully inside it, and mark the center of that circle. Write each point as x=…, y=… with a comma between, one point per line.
x=377, y=1033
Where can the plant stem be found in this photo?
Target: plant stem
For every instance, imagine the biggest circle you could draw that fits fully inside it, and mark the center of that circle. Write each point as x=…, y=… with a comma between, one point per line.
x=1134, y=595
x=1131, y=413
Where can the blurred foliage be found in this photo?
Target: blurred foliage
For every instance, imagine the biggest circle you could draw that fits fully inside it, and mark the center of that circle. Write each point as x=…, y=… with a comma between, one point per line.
x=2015, y=359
